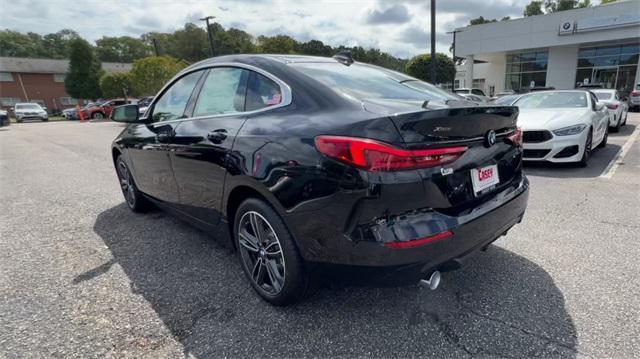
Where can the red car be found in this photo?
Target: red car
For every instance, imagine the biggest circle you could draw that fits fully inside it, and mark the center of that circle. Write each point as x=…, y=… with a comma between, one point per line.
x=102, y=110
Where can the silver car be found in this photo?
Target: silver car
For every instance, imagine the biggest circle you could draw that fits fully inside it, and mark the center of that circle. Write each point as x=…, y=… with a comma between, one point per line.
x=30, y=111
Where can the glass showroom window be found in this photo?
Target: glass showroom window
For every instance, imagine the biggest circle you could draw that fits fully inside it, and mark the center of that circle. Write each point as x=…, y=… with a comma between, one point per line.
x=526, y=68
x=613, y=66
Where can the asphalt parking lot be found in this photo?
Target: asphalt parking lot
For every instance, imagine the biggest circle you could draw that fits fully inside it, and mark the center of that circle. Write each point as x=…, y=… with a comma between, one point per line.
x=81, y=276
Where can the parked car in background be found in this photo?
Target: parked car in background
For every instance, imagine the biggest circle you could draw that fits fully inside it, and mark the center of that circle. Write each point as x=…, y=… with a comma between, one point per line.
x=4, y=118
x=591, y=86
x=70, y=114
x=30, y=111
x=102, y=110
x=507, y=100
x=476, y=92
x=618, y=109
x=634, y=99
x=562, y=126
x=308, y=162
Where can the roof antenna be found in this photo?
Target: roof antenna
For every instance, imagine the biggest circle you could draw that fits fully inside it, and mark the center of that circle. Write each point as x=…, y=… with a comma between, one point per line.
x=344, y=57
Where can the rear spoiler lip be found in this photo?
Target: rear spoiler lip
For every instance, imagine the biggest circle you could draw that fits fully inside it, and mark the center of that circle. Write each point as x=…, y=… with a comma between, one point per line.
x=466, y=140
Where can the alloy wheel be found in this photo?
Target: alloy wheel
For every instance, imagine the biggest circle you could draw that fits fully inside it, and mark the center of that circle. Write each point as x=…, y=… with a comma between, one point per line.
x=98, y=116
x=261, y=252
x=126, y=184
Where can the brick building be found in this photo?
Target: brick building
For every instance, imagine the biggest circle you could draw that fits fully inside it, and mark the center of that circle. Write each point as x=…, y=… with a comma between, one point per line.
x=40, y=81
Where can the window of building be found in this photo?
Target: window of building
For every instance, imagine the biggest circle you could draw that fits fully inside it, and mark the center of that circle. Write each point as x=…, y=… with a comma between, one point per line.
x=59, y=77
x=68, y=101
x=6, y=76
x=614, y=66
x=526, y=69
x=9, y=101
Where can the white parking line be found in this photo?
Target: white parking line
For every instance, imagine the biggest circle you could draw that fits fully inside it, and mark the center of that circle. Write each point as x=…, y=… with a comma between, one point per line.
x=619, y=158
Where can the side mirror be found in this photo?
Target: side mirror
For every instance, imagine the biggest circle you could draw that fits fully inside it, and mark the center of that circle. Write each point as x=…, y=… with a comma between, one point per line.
x=599, y=106
x=126, y=114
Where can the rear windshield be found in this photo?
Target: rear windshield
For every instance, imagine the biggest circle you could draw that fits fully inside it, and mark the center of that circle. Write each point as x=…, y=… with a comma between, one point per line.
x=29, y=106
x=369, y=82
x=553, y=100
x=603, y=95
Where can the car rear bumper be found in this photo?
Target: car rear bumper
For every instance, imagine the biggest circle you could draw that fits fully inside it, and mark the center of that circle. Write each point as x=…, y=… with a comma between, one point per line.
x=327, y=243
x=551, y=150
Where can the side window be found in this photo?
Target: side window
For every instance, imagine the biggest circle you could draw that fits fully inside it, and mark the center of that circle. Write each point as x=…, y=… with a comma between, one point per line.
x=173, y=101
x=223, y=92
x=262, y=92
x=477, y=92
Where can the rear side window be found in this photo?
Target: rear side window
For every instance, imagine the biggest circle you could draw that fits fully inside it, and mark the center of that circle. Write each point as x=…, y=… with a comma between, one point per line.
x=477, y=92
x=369, y=82
x=262, y=92
x=172, y=103
x=223, y=92
x=603, y=95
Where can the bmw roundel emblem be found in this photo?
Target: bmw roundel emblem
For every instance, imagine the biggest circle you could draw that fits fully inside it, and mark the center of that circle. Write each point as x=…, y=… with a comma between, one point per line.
x=490, y=138
x=566, y=25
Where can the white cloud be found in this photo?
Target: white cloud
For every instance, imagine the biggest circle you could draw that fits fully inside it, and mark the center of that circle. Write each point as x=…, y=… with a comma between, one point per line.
x=397, y=29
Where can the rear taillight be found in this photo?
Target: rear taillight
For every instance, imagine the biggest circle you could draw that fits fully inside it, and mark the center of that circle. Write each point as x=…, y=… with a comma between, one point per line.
x=635, y=94
x=516, y=137
x=612, y=106
x=371, y=155
x=419, y=242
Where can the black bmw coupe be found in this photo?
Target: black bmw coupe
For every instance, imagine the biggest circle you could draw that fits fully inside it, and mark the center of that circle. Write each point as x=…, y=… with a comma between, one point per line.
x=309, y=162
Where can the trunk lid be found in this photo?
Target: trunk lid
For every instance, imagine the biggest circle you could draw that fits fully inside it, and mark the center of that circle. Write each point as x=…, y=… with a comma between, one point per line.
x=450, y=188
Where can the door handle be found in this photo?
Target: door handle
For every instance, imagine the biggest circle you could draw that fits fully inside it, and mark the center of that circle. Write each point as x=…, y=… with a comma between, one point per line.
x=217, y=136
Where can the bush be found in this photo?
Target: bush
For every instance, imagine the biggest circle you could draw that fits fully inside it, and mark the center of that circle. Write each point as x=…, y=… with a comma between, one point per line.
x=151, y=73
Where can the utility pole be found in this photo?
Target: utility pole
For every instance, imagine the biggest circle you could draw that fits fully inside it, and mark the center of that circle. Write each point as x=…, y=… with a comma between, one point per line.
x=455, y=60
x=433, y=42
x=155, y=46
x=209, y=32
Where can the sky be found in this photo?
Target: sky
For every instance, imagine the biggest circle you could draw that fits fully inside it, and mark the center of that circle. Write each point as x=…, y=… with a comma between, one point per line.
x=398, y=27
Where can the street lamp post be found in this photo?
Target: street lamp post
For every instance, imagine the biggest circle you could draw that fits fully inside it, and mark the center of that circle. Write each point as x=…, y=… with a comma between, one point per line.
x=433, y=42
x=206, y=19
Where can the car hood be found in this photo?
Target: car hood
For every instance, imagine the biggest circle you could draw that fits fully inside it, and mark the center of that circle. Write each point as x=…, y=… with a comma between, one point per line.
x=551, y=118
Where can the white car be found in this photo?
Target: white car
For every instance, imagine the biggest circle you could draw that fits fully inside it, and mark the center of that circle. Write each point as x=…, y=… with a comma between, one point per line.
x=562, y=126
x=634, y=98
x=30, y=111
x=476, y=92
x=618, y=109
x=472, y=98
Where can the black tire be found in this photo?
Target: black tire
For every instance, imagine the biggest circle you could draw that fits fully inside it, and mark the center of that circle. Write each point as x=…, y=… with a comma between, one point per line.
x=134, y=199
x=19, y=121
x=603, y=144
x=271, y=265
x=586, y=154
x=97, y=116
x=626, y=114
x=45, y=120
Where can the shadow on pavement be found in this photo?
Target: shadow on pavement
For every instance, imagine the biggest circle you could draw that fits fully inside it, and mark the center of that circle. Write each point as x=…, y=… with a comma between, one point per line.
x=500, y=304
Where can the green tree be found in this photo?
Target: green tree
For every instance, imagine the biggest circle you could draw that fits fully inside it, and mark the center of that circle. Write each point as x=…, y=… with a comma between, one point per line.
x=602, y=2
x=121, y=49
x=481, y=20
x=57, y=44
x=116, y=84
x=190, y=43
x=85, y=70
x=279, y=44
x=534, y=8
x=148, y=75
x=314, y=48
x=419, y=67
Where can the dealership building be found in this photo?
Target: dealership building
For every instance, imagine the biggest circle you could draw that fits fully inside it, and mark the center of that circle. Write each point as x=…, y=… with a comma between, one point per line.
x=599, y=44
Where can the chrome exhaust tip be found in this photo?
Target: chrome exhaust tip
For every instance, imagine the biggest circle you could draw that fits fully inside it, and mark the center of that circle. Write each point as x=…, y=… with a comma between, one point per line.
x=433, y=282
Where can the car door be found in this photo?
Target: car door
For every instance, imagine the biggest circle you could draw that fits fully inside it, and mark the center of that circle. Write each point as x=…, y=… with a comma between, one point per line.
x=202, y=147
x=149, y=152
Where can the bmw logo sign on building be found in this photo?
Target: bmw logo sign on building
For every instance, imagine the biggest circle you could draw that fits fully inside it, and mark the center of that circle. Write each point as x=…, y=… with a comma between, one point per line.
x=566, y=28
